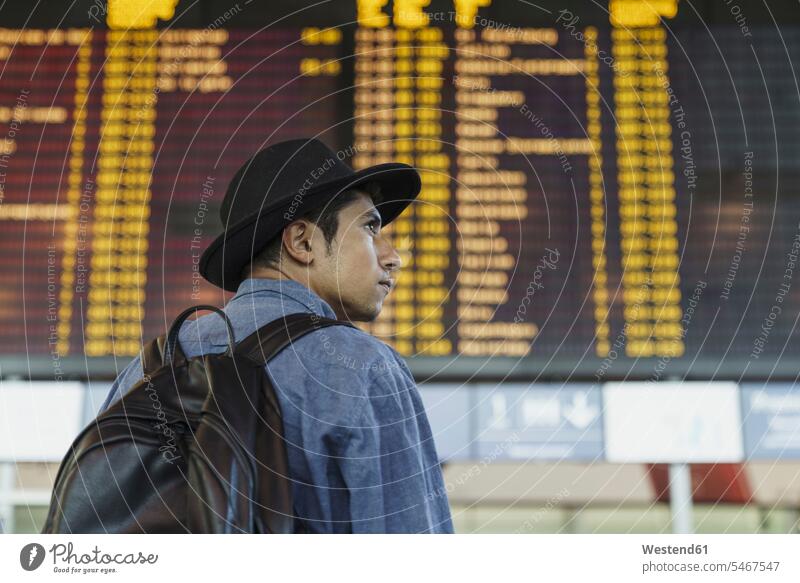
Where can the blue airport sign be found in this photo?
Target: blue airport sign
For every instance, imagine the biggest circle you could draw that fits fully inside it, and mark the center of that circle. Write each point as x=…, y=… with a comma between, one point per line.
x=537, y=421
x=771, y=421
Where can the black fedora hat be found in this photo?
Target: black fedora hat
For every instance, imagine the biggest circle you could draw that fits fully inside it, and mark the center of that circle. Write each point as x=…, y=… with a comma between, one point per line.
x=282, y=181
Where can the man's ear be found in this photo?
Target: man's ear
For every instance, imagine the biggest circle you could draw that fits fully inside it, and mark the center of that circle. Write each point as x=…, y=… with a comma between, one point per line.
x=296, y=240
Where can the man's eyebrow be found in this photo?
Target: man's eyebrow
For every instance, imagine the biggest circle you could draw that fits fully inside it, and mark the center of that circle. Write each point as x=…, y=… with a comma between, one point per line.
x=372, y=213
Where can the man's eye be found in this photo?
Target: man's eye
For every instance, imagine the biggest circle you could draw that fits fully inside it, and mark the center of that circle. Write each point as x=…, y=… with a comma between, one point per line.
x=373, y=226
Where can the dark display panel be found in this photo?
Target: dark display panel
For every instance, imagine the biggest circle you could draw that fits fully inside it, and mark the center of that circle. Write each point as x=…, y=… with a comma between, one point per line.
x=604, y=193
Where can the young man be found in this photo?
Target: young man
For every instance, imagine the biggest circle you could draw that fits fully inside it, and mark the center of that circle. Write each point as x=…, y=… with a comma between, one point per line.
x=303, y=234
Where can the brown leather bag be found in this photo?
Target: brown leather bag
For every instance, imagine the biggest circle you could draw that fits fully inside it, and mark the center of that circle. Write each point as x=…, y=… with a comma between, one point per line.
x=195, y=446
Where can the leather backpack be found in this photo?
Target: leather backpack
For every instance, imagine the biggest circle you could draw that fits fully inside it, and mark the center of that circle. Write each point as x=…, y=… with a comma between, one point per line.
x=195, y=446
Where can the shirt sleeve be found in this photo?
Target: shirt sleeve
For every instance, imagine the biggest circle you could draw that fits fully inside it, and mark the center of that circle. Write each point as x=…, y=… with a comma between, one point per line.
x=124, y=381
x=387, y=460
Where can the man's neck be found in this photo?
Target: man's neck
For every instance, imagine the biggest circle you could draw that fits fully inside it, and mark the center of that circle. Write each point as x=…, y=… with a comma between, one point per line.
x=271, y=273
x=281, y=275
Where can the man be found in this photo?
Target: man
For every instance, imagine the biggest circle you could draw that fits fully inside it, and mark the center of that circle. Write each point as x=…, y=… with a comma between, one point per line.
x=303, y=234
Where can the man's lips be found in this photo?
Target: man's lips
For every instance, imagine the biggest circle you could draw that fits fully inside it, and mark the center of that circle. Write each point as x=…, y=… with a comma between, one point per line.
x=387, y=285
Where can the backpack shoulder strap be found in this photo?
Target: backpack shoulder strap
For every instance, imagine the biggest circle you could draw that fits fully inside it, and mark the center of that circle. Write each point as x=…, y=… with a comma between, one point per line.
x=152, y=355
x=167, y=347
x=266, y=342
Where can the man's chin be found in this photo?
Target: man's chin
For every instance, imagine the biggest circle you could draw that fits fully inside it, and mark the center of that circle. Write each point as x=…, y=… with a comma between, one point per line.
x=369, y=314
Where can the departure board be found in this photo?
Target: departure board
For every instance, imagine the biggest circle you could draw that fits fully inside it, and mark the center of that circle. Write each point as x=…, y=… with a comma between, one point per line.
x=608, y=191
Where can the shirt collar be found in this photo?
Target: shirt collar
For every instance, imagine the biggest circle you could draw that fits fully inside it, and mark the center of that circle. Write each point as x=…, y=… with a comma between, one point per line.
x=289, y=290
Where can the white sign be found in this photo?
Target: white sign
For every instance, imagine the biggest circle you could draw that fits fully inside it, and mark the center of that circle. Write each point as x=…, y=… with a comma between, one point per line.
x=672, y=422
x=38, y=421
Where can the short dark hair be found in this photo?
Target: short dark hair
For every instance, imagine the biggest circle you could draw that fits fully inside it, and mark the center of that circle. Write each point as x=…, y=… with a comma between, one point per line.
x=325, y=217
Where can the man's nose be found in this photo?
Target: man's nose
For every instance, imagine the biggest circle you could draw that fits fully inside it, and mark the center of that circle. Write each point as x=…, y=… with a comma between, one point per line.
x=389, y=257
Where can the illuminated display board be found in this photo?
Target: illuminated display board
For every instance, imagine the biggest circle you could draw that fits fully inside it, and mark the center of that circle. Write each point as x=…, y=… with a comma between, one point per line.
x=602, y=193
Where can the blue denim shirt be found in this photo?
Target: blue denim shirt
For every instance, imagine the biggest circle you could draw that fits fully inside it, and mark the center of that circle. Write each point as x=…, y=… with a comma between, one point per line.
x=360, y=449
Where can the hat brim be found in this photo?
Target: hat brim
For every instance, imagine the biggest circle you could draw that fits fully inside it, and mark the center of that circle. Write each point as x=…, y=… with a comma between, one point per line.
x=222, y=262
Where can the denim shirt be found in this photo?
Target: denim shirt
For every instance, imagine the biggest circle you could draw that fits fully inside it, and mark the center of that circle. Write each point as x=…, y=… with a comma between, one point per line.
x=360, y=449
